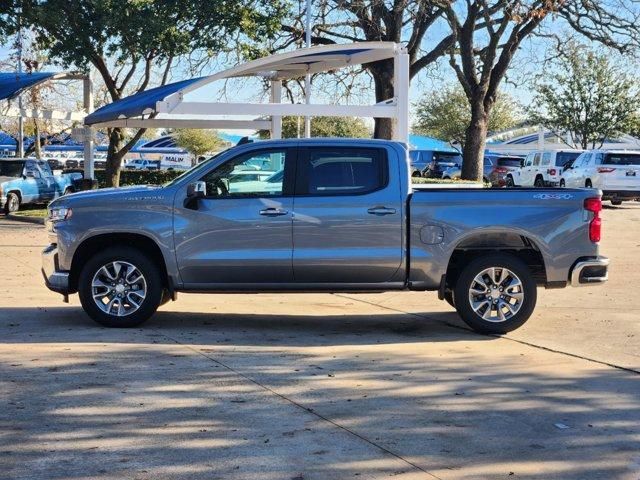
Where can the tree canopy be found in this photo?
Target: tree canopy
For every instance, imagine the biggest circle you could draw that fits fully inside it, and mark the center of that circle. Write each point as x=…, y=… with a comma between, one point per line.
x=134, y=44
x=586, y=97
x=350, y=127
x=198, y=142
x=446, y=114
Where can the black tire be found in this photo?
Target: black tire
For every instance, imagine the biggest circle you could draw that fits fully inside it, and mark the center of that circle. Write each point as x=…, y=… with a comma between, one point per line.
x=510, y=183
x=166, y=297
x=448, y=297
x=416, y=174
x=588, y=184
x=539, y=183
x=562, y=183
x=616, y=202
x=466, y=281
x=153, y=285
x=68, y=190
x=12, y=204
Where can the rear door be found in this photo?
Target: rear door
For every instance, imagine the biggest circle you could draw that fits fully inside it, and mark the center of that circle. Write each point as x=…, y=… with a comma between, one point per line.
x=347, y=225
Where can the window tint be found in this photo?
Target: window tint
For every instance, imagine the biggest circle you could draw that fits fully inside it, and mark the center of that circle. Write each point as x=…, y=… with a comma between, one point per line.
x=546, y=158
x=621, y=159
x=45, y=169
x=563, y=157
x=256, y=174
x=343, y=171
x=11, y=168
x=509, y=162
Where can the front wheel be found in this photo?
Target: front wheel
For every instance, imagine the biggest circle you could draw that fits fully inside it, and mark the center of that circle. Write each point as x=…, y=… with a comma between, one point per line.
x=495, y=293
x=616, y=202
x=13, y=203
x=510, y=183
x=562, y=183
x=120, y=287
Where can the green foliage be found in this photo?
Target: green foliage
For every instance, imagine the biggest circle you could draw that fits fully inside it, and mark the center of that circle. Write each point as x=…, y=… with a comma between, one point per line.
x=446, y=114
x=345, y=127
x=136, y=177
x=198, y=141
x=588, y=97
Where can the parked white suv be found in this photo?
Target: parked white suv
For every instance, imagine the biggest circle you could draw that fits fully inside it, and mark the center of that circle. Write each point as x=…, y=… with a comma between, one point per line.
x=615, y=172
x=542, y=168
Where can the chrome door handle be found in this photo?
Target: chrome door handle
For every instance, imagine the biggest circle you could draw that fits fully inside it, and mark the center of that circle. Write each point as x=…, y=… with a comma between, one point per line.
x=381, y=211
x=273, y=212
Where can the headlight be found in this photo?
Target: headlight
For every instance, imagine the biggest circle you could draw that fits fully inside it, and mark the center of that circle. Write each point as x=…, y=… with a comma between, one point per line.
x=57, y=214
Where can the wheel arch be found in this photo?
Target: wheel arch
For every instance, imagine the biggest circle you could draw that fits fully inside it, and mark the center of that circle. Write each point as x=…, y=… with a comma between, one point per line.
x=95, y=243
x=518, y=244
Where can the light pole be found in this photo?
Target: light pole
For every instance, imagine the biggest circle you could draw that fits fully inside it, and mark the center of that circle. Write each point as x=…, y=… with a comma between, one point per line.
x=307, y=78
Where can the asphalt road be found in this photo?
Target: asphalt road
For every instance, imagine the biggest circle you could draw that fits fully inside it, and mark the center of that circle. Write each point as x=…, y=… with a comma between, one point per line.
x=320, y=386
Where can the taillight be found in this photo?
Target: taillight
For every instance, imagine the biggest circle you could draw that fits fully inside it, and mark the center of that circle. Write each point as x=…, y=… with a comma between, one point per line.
x=595, y=227
x=501, y=170
x=606, y=170
x=552, y=171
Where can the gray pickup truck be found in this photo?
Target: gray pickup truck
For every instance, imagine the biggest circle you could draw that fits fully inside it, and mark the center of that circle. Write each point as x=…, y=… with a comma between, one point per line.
x=324, y=215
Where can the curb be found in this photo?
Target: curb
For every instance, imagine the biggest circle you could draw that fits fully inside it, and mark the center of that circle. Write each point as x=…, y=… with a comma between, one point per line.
x=25, y=219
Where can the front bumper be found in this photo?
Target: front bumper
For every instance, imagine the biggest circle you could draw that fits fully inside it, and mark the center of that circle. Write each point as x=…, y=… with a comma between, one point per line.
x=55, y=279
x=590, y=271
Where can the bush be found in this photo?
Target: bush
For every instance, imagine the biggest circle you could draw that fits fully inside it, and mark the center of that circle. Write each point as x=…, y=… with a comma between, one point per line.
x=139, y=177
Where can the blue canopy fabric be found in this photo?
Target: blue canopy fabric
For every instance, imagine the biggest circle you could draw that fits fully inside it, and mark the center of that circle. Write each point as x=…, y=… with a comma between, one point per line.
x=137, y=104
x=12, y=84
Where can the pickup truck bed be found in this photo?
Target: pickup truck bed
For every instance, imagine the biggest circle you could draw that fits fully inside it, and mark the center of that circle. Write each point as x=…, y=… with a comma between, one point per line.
x=340, y=215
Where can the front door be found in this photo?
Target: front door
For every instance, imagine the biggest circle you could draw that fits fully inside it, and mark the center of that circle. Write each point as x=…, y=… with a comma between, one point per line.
x=241, y=231
x=347, y=225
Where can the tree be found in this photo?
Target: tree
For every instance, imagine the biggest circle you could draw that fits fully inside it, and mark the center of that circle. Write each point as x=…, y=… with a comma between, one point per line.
x=587, y=98
x=134, y=44
x=489, y=33
x=446, y=114
x=349, y=127
x=198, y=141
x=404, y=21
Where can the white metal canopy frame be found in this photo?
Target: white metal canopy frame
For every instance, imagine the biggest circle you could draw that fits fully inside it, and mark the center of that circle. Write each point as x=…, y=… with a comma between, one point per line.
x=166, y=107
x=15, y=84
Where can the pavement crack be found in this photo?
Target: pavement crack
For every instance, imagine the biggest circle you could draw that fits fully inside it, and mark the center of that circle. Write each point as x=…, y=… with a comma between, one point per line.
x=300, y=406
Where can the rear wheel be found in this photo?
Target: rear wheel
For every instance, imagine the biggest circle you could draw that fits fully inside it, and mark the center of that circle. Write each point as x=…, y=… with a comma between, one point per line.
x=616, y=202
x=539, y=183
x=415, y=174
x=120, y=287
x=495, y=293
x=510, y=181
x=13, y=203
x=562, y=183
x=588, y=184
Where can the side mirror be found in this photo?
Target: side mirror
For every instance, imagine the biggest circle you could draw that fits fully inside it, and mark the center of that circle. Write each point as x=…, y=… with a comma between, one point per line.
x=197, y=190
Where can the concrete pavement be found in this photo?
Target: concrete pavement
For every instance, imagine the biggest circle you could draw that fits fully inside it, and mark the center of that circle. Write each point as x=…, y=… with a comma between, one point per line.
x=320, y=386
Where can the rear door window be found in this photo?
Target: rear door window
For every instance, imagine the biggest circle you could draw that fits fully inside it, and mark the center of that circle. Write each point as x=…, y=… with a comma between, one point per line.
x=621, y=159
x=344, y=171
x=536, y=160
x=509, y=162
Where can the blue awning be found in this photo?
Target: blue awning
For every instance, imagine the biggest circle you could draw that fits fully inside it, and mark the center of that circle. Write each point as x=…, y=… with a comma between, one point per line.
x=137, y=104
x=12, y=84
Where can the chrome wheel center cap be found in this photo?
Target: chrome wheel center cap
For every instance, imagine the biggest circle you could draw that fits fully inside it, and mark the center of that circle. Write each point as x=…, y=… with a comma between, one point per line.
x=119, y=288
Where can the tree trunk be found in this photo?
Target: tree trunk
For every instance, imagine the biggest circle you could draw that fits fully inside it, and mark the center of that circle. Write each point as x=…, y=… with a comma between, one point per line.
x=114, y=157
x=36, y=140
x=474, y=143
x=382, y=73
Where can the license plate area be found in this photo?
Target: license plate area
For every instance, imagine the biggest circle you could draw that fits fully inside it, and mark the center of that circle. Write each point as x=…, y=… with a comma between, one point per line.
x=631, y=173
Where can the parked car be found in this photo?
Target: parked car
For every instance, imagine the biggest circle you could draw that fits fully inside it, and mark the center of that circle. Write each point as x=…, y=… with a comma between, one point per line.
x=495, y=169
x=141, y=164
x=55, y=163
x=356, y=223
x=431, y=163
x=615, y=172
x=542, y=168
x=29, y=181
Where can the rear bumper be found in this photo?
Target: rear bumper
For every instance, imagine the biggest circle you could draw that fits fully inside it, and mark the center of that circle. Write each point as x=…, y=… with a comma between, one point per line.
x=55, y=279
x=621, y=194
x=590, y=271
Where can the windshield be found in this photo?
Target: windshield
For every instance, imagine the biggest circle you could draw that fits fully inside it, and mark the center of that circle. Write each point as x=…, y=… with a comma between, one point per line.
x=201, y=166
x=563, y=157
x=622, y=159
x=447, y=159
x=11, y=169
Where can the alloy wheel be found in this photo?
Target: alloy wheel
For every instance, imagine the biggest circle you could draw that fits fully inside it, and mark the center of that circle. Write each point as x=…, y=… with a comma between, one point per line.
x=496, y=294
x=119, y=288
